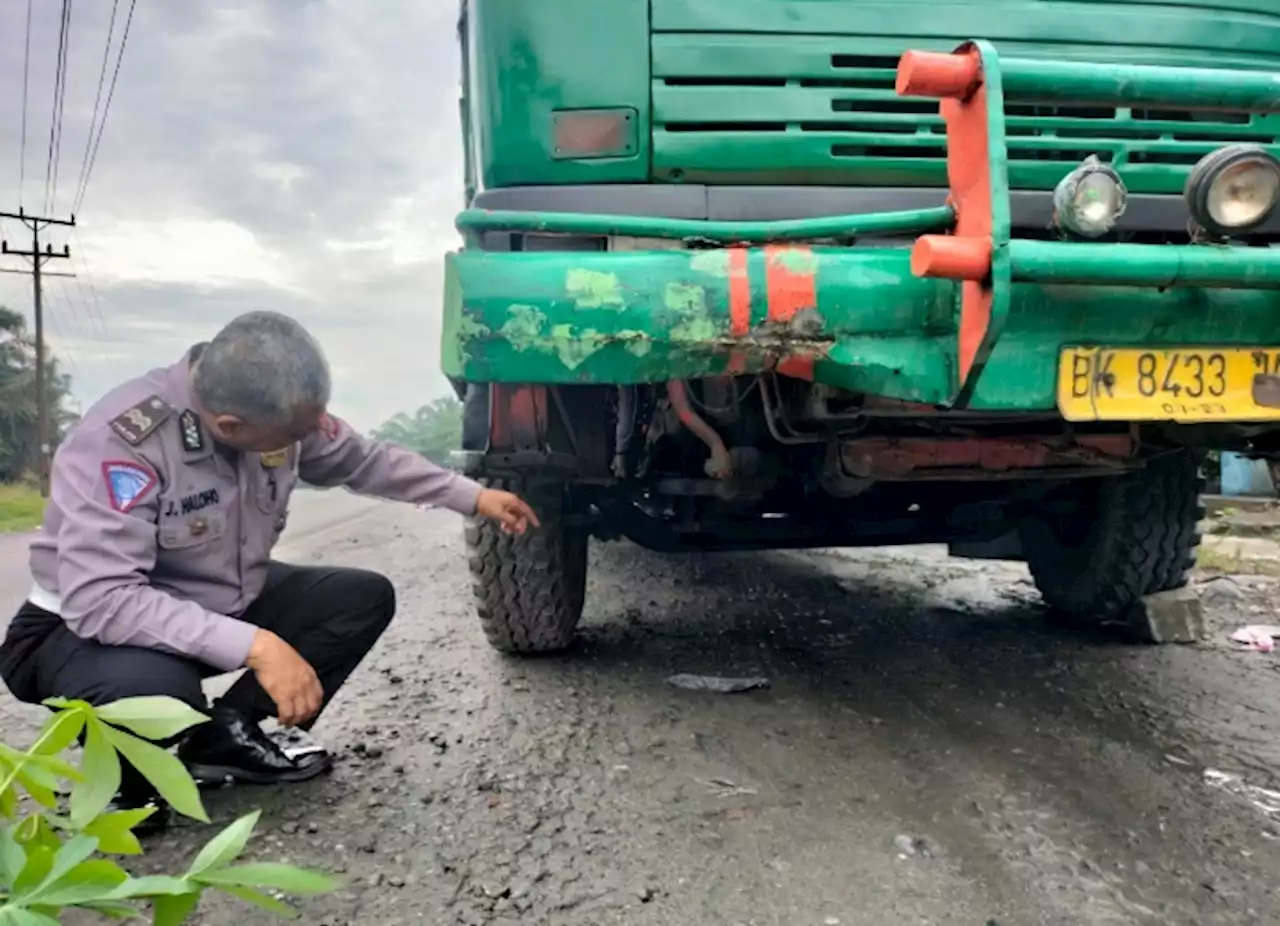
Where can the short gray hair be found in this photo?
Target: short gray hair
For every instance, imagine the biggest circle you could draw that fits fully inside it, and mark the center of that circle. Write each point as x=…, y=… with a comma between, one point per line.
x=262, y=367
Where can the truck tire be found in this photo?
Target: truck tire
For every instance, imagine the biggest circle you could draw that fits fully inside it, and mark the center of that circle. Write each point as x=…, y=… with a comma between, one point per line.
x=1123, y=537
x=529, y=590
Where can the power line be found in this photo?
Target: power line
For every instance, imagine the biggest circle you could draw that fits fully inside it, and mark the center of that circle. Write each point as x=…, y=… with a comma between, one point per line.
x=55, y=120
x=97, y=99
x=26, y=80
x=59, y=333
x=94, y=304
x=106, y=109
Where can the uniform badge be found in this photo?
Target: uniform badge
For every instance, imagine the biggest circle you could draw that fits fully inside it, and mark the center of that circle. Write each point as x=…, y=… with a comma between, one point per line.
x=198, y=526
x=192, y=434
x=274, y=458
x=134, y=424
x=127, y=483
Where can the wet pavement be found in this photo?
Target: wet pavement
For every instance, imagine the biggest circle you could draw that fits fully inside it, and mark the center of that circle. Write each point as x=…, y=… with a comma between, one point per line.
x=930, y=750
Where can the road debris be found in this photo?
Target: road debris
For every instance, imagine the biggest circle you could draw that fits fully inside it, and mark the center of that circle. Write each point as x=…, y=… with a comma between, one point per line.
x=722, y=787
x=717, y=684
x=1175, y=616
x=1258, y=636
x=909, y=846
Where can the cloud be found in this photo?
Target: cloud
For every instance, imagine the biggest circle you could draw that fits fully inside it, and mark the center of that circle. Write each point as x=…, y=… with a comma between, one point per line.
x=297, y=156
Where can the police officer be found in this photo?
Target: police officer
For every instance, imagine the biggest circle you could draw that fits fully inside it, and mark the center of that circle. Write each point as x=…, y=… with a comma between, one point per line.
x=153, y=567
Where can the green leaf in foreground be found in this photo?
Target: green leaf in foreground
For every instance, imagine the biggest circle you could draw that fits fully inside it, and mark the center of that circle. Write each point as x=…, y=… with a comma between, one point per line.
x=114, y=831
x=259, y=899
x=59, y=732
x=223, y=848
x=152, y=718
x=169, y=776
x=29, y=889
x=172, y=909
x=16, y=916
x=153, y=886
x=89, y=881
x=12, y=858
x=272, y=875
x=100, y=769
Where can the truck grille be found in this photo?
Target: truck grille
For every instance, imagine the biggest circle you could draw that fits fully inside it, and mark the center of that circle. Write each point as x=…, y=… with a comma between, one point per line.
x=849, y=127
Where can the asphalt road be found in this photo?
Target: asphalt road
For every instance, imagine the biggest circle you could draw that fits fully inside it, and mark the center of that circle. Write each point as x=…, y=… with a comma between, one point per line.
x=930, y=751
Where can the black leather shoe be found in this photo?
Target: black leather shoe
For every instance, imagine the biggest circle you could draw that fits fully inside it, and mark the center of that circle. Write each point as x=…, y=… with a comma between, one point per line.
x=234, y=748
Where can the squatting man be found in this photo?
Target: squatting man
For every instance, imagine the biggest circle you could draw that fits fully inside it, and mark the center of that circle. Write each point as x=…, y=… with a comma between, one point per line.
x=152, y=570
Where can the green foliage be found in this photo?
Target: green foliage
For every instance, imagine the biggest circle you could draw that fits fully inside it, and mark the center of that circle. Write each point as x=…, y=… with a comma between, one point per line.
x=433, y=430
x=21, y=507
x=19, y=441
x=52, y=861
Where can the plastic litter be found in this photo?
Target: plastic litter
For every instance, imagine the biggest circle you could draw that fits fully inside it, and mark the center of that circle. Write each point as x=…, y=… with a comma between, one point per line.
x=1261, y=637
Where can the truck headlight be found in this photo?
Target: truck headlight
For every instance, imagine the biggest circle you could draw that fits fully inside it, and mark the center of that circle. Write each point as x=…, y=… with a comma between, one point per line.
x=1233, y=189
x=1088, y=201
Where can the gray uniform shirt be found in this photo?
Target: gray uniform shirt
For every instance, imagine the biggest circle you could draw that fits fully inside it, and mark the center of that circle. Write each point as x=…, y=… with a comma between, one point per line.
x=156, y=537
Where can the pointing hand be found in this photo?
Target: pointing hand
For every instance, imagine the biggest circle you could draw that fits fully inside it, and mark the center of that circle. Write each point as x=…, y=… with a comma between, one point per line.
x=509, y=510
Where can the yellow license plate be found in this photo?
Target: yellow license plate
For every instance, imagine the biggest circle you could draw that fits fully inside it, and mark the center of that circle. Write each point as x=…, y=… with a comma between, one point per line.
x=1175, y=384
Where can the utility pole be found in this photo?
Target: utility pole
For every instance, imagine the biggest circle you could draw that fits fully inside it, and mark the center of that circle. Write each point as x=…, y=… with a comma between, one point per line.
x=38, y=258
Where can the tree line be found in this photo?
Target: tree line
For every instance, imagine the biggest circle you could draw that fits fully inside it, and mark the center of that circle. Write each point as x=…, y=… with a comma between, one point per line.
x=433, y=430
x=19, y=424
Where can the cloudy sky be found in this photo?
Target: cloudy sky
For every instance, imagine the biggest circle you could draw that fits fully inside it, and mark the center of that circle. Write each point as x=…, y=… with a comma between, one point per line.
x=297, y=155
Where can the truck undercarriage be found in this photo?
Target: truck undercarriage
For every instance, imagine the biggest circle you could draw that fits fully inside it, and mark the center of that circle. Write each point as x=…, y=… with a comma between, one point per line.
x=769, y=462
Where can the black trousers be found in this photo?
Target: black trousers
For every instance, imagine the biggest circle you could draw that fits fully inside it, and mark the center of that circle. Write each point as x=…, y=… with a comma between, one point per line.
x=331, y=616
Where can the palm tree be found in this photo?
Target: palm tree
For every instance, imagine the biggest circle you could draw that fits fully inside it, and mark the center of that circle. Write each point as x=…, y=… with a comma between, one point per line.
x=433, y=430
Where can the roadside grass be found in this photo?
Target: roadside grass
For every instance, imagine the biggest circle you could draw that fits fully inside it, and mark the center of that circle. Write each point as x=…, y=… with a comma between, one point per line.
x=1234, y=563
x=21, y=507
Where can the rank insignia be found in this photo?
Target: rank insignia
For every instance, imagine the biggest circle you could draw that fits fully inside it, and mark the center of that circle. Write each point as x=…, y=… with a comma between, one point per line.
x=142, y=419
x=192, y=435
x=274, y=458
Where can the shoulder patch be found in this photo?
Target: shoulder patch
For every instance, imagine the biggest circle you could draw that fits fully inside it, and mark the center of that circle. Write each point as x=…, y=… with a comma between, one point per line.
x=127, y=482
x=137, y=423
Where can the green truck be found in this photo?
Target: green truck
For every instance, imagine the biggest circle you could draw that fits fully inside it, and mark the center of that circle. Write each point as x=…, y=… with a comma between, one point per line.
x=766, y=274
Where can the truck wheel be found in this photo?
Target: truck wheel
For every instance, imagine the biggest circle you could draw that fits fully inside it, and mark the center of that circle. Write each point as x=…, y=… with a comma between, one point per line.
x=1118, y=539
x=529, y=590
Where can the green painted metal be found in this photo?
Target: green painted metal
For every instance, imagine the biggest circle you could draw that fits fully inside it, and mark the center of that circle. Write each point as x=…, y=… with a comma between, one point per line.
x=529, y=60
x=822, y=109
x=648, y=316
x=1251, y=26
x=1044, y=319
x=909, y=221
x=798, y=91
x=1157, y=265
x=1049, y=81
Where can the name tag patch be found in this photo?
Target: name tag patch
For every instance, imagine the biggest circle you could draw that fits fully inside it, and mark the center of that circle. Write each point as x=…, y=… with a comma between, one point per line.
x=188, y=504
